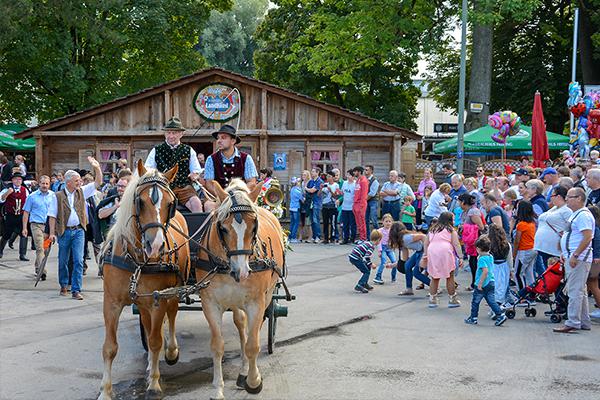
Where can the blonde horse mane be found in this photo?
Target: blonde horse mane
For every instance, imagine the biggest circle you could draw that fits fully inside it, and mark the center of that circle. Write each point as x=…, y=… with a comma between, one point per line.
x=123, y=227
x=241, y=193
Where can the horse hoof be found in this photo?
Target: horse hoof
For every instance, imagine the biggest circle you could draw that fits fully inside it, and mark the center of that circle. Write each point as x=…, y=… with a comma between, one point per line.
x=255, y=390
x=153, y=395
x=173, y=361
x=241, y=381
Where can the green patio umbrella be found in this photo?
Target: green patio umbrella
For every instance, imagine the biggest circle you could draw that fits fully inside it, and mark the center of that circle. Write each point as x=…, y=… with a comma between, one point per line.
x=8, y=142
x=480, y=141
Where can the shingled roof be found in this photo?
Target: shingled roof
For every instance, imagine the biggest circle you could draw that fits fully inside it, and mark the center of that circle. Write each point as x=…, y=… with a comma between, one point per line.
x=202, y=74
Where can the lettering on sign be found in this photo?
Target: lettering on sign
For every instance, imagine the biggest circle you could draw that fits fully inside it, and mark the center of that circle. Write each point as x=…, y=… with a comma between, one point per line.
x=217, y=102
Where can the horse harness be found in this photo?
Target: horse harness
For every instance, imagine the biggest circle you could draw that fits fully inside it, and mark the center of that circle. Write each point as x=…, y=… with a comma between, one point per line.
x=214, y=264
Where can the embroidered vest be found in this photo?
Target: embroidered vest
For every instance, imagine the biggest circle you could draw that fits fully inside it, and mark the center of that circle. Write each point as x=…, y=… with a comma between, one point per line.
x=166, y=158
x=15, y=201
x=225, y=172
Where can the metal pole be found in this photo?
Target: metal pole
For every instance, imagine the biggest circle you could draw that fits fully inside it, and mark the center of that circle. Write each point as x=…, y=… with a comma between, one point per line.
x=460, y=162
x=574, y=66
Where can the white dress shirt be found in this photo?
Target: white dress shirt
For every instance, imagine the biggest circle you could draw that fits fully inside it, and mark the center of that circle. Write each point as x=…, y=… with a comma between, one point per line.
x=194, y=163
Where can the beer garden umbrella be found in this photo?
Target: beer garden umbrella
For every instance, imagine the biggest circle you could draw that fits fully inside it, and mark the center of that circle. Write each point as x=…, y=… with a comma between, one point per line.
x=480, y=141
x=538, y=133
x=8, y=142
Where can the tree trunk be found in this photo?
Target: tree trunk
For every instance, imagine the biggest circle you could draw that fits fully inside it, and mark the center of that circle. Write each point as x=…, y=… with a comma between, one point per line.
x=589, y=69
x=480, y=81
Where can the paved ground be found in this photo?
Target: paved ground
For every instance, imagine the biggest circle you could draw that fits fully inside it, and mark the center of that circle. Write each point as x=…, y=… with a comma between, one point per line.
x=335, y=344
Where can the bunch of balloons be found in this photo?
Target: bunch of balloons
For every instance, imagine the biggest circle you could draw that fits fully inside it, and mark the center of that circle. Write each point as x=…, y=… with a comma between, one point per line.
x=508, y=124
x=586, y=111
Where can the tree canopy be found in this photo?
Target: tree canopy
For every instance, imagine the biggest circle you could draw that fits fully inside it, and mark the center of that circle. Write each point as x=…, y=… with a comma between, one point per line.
x=531, y=50
x=360, y=54
x=61, y=56
x=228, y=39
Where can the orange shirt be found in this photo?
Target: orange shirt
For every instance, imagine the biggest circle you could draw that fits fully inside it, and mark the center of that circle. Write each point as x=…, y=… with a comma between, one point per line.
x=527, y=230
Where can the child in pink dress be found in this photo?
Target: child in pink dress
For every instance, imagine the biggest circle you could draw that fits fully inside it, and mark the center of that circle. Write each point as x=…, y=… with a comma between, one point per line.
x=443, y=241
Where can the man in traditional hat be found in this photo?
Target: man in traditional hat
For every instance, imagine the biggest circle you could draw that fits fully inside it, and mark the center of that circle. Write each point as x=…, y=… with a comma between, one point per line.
x=228, y=163
x=164, y=157
x=14, y=197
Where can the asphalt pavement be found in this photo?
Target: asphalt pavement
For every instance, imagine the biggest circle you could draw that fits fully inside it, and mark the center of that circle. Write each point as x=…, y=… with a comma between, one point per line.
x=335, y=344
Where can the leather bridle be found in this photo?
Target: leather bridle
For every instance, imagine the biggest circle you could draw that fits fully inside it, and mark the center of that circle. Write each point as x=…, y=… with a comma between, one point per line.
x=155, y=182
x=238, y=210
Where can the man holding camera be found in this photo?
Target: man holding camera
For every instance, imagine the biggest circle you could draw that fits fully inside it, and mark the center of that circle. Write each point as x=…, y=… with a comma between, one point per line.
x=107, y=208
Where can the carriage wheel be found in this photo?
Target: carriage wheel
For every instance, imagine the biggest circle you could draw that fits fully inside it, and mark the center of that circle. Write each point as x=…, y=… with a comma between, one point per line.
x=143, y=334
x=272, y=323
x=510, y=314
x=555, y=318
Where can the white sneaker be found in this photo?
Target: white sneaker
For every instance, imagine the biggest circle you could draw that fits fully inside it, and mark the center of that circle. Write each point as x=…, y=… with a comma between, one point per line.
x=595, y=314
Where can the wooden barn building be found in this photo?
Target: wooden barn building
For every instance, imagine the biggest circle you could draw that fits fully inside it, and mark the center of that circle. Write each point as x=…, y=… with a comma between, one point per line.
x=281, y=129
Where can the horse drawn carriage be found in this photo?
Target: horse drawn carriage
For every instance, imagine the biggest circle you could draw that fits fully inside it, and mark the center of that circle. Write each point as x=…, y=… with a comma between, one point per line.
x=161, y=261
x=191, y=302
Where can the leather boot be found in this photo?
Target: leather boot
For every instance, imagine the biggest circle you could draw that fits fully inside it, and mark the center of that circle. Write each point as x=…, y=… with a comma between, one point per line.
x=2, y=246
x=23, y=248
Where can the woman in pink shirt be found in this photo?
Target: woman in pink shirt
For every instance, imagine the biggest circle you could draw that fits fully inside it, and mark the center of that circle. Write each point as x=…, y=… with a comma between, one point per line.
x=427, y=181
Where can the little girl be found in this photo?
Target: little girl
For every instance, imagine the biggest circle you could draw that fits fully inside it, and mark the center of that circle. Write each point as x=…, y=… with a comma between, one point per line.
x=443, y=246
x=408, y=213
x=385, y=250
x=424, y=203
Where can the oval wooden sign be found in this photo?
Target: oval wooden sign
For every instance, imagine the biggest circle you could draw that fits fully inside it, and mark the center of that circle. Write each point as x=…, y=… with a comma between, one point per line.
x=217, y=102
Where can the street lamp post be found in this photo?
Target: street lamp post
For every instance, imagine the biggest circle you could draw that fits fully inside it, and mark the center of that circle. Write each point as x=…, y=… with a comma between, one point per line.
x=574, y=65
x=460, y=162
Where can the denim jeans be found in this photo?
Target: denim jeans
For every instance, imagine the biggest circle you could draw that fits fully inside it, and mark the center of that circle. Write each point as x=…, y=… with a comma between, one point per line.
x=294, y=224
x=428, y=220
x=316, y=223
x=388, y=253
x=71, y=241
x=488, y=294
x=541, y=263
x=412, y=269
x=349, y=226
x=391, y=207
x=362, y=267
x=371, y=216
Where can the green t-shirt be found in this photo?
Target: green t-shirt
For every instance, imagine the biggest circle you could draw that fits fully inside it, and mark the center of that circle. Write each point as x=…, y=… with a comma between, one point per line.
x=407, y=218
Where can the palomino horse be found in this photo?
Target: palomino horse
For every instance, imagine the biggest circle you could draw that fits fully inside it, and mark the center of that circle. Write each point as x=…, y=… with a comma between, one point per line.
x=145, y=234
x=250, y=240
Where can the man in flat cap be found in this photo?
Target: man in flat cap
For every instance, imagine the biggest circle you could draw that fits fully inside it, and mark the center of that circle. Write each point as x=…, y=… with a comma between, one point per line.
x=228, y=162
x=164, y=157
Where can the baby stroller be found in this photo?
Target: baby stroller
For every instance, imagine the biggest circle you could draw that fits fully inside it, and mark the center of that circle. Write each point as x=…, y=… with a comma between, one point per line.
x=547, y=284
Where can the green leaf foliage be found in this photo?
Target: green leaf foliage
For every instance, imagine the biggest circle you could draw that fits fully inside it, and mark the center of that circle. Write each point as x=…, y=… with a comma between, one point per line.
x=228, y=42
x=531, y=51
x=357, y=54
x=61, y=56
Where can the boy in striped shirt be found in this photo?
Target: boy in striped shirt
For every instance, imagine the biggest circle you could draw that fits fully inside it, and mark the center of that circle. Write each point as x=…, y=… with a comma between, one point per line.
x=360, y=257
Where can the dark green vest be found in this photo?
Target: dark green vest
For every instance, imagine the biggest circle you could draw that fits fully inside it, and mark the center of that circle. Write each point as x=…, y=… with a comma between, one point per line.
x=166, y=158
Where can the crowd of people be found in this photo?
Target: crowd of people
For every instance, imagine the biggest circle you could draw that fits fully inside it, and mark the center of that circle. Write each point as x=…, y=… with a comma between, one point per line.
x=506, y=228
x=76, y=208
